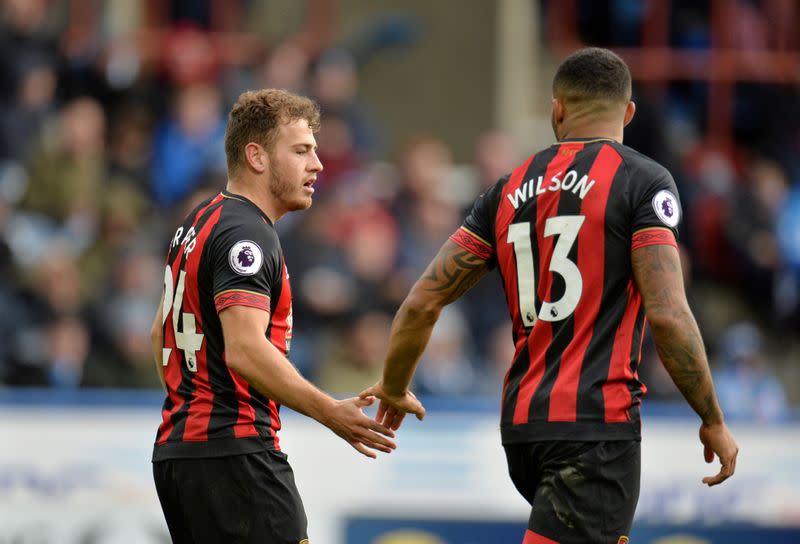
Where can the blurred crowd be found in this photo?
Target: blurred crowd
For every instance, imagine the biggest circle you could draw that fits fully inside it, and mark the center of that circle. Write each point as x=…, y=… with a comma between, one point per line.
x=108, y=138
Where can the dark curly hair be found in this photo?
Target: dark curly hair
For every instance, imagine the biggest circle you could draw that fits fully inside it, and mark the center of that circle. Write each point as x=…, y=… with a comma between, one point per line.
x=593, y=75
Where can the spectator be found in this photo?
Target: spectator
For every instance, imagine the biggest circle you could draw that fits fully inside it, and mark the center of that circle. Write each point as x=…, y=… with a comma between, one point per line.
x=129, y=150
x=68, y=170
x=67, y=351
x=334, y=84
x=751, y=231
x=747, y=388
x=787, y=295
x=23, y=120
x=447, y=368
x=356, y=358
x=128, y=307
x=188, y=145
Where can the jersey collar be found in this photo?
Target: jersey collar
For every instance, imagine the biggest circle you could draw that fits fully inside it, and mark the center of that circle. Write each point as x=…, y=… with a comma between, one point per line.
x=233, y=196
x=584, y=140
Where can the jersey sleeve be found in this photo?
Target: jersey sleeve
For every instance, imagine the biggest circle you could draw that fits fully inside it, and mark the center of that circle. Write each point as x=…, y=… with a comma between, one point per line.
x=657, y=212
x=476, y=234
x=246, y=264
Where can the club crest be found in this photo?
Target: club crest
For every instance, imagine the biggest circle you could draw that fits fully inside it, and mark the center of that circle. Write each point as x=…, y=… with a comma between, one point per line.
x=245, y=258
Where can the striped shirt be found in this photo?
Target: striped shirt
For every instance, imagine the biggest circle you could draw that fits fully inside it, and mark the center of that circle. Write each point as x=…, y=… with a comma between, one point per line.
x=560, y=229
x=225, y=253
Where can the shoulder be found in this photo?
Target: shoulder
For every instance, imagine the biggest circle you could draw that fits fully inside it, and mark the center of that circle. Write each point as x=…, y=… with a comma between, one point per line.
x=496, y=190
x=242, y=230
x=640, y=165
x=489, y=196
x=241, y=217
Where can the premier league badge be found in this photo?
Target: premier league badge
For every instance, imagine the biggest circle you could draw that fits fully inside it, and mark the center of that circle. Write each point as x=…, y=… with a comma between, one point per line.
x=245, y=258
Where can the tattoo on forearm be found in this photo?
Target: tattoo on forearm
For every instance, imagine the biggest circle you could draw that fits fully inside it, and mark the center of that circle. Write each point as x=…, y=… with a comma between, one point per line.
x=453, y=272
x=450, y=274
x=658, y=274
x=683, y=355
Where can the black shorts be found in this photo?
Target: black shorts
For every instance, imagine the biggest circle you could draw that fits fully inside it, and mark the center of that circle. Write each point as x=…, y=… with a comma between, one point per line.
x=579, y=491
x=249, y=498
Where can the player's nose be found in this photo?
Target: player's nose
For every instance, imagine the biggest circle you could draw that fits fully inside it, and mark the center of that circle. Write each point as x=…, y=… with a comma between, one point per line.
x=316, y=164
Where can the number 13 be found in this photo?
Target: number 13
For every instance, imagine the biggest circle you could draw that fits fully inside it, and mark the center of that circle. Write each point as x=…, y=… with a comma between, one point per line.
x=519, y=234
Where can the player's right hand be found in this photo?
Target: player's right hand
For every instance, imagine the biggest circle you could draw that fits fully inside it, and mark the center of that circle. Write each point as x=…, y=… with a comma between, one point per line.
x=718, y=440
x=365, y=435
x=393, y=408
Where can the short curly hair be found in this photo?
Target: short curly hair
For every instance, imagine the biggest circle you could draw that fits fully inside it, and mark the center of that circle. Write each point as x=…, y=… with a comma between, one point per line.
x=256, y=116
x=593, y=75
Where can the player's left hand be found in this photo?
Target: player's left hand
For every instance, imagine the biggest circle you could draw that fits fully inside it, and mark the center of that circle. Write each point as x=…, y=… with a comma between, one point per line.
x=718, y=440
x=394, y=407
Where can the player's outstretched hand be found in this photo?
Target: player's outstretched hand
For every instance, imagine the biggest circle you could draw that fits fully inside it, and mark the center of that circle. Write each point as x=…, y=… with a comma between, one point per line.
x=718, y=440
x=365, y=435
x=393, y=408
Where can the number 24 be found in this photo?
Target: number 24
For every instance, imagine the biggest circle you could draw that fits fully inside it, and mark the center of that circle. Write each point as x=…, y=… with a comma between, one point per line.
x=189, y=341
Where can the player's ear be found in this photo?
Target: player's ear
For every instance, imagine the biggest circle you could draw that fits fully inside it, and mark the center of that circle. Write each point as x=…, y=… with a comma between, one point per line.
x=630, y=111
x=557, y=117
x=256, y=157
x=558, y=110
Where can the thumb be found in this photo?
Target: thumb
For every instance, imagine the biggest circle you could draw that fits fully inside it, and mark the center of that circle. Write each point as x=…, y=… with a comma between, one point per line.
x=708, y=453
x=364, y=400
x=420, y=411
x=365, y=393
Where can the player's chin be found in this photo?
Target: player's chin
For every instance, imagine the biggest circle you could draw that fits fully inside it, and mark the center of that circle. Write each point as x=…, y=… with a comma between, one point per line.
x=301, y=203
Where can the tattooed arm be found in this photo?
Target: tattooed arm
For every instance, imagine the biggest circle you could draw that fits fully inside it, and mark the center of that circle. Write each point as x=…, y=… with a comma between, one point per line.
x=657, y=271
x=448, y=276
x=451, y=274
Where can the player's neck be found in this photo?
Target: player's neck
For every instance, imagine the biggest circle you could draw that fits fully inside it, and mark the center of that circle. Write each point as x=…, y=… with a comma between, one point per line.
x=258, y=194
x=591, y=130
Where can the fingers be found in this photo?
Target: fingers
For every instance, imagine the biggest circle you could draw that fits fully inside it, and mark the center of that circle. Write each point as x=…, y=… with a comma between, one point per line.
x=397, y=420
x=362, y=449
x=383, y=407
x=392, y=417
x=725, y=472
x=392, y=414
x=366, y=441
x=416, y=407
x=379, y=430
x=374, y=445
x=375, y=436
x=718, y=441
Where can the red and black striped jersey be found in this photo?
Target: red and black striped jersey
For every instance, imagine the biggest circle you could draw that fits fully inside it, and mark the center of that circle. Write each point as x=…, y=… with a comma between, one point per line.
x=560, y=229
x=225, y=253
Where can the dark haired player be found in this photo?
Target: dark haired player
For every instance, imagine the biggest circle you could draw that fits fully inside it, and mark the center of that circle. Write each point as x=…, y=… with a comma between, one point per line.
x=584, y=236
x=222, y=335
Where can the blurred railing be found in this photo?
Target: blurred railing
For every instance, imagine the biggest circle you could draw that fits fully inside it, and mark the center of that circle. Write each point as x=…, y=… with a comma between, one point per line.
x=19, y=397
x=773, y=58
